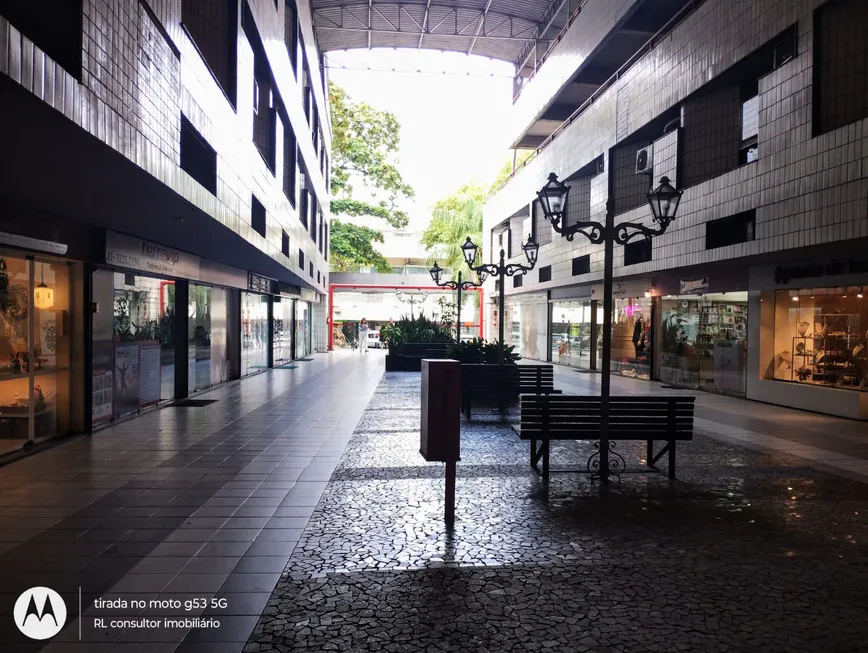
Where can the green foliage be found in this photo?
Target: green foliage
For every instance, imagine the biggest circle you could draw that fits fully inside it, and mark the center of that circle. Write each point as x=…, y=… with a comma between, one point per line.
x=364, y=142
x=352, y=245
x=480, y=351
x=454, y=218
x=414, y=330
x=520, y=157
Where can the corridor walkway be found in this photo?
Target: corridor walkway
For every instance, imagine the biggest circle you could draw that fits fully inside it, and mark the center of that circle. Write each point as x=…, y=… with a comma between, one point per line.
x=299, y=502
x=178, y=504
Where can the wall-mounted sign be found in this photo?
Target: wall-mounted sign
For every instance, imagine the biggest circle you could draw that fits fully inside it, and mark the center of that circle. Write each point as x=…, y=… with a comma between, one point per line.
x=693, y=286
x=258, y=283
x=32, y=243
x=835, y=267
x=137, y=254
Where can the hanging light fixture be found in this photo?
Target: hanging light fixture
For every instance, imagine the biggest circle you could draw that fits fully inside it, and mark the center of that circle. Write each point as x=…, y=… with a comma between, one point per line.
x=43, y=296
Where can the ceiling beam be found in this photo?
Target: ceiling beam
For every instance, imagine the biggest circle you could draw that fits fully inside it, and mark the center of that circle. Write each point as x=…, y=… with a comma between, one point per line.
x=328, y=28
x=480, y=25
x=370, y=24
x=545, y=24
x=424, y=23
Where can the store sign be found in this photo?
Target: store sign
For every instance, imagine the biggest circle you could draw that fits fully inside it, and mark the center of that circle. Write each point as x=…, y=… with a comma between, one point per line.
x=137, y=254
x=258, y=283
x=694, y=286
x=835, y=267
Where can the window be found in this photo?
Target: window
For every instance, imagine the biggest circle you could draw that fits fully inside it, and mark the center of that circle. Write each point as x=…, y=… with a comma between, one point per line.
x=55, y=27
x=749, y=122
x=301, y=259
x=579, y=202
x=311, y=270
x=198, y=159
x=213, y=28
x=518, y=281
x=629, y=189
x=545, y=274
x=257, y=217
x=303, y=207
x=637, y=252
x=713, y=127
x=542, y=228
x=321, y=231
x=264, y=116
x=582, y=265
x=284, y=243
x=840, y=64
x=290, y=163
x=290, y=33
x=735, y=229
x=317, y=276
x=314, y=131
x=313, y=216
x=326, y=241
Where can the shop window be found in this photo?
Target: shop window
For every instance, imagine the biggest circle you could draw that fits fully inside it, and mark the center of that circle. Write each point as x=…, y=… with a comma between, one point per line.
x=542, y=228
x=735, y=229
x=629, y=189
x=545, y=274
x=54, y=27
x=820, y=337
x=284, y=243
x=637, y=252
x=582, y=265
x=840, y=64
x=213, y=27
x=518, y=281
x=208, y=356
x=257, y=217
x=198, y=158
x=572, y=330
x=255, y=338
x=290, y=33
x=703, y=341
x=301, y=259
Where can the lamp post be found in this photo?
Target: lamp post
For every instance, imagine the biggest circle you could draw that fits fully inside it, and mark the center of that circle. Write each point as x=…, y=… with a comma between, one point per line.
x=459, y=285
x=664, y=202
x=501, y=270
x=410, y=300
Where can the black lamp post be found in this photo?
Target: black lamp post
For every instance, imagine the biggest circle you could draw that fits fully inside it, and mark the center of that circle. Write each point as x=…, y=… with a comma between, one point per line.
x=410, y=300
x=501, y=270
x=459, y=285
x=664, y=202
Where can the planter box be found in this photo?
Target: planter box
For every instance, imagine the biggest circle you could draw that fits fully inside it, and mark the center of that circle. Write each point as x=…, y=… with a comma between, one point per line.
x=396, y=363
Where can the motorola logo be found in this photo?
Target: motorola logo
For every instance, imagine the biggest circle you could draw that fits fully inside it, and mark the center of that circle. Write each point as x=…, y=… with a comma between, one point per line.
x=40, y=613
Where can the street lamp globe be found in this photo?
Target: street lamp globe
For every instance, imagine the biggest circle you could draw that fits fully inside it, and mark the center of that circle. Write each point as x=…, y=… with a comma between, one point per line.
x=483, y=275
x=531, y=250
x=436, y=273
x=664, y=202
x=469, y=250
x=553, y=198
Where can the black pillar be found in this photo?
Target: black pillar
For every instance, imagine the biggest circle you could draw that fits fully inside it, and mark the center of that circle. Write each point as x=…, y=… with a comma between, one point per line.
x=182, y=337
x=270, y=331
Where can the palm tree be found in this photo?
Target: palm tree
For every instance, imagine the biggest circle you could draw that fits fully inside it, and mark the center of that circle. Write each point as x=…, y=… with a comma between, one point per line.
x=453, y=220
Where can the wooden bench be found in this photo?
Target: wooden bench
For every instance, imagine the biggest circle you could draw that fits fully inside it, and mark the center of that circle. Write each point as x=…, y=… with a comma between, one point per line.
x=546, y=418
x=423, y=350
x=503, y=382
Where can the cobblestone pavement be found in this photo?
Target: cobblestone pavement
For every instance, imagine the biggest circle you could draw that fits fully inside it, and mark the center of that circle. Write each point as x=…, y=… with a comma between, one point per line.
x=745, y=552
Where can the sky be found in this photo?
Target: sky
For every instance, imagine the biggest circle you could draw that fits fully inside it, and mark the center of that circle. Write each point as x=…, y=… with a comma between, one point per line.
x=453, y=126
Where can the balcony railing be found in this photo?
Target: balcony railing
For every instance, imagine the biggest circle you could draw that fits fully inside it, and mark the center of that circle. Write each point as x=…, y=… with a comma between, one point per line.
x=670, y=25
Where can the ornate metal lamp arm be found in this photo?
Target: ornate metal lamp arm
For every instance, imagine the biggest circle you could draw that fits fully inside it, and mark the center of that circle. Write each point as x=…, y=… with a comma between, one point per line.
x=515, y=268
x=627, y=231
x=593, y=231
x=490, y=269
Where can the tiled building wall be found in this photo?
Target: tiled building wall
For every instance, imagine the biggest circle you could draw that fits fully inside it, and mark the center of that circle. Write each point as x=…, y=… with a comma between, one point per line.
x=140, y=74
x=806, y=189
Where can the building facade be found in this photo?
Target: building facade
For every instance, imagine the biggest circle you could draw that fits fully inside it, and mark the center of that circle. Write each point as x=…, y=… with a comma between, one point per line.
x=164, y=216
x=758, y=111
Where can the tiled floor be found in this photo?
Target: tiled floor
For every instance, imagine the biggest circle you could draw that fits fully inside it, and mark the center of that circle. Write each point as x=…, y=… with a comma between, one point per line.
x=178, y=504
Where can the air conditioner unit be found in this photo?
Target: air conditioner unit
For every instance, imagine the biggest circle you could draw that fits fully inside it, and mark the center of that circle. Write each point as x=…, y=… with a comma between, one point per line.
x=643, y=161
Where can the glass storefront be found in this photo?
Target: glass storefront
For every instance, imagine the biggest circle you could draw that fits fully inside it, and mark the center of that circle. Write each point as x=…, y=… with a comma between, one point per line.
x=303, y=328
x=284, y=312
x=631, y=337
x=255, y=340
x=133, y=343
x=572, y=329
x=207, y=337
x=703, y=341
x=821, y=337
x=527, y=326
x=36, y=341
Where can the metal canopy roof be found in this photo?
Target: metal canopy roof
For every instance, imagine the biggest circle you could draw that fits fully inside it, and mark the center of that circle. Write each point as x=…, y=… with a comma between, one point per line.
x=500, y=29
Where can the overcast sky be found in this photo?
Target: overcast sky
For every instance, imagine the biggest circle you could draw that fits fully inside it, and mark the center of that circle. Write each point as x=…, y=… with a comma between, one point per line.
x=453, y=126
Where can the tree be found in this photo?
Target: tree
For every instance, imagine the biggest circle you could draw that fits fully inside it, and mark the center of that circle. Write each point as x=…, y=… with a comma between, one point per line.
x=352, y=245
x=520, y=157
x=454, y=218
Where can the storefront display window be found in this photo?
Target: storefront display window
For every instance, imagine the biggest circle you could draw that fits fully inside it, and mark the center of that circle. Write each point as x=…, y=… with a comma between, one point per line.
x=284, y=311
x=255, y=340
x=302, y=329
x=703, y=341
x=820, y=337
x=571, y=342
x=208, y=340
x=527, y=325
x=631, y=337
x=35, y=343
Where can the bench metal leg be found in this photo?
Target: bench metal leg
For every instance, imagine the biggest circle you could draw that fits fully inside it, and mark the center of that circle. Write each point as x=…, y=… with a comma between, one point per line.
x=537, y=453
x=649, y=453
x=653, y=459
x=671, y=448
x=546, y=459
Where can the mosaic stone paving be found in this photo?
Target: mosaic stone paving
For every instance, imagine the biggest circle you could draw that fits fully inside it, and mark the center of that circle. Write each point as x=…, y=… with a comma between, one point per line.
x=745, y=552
